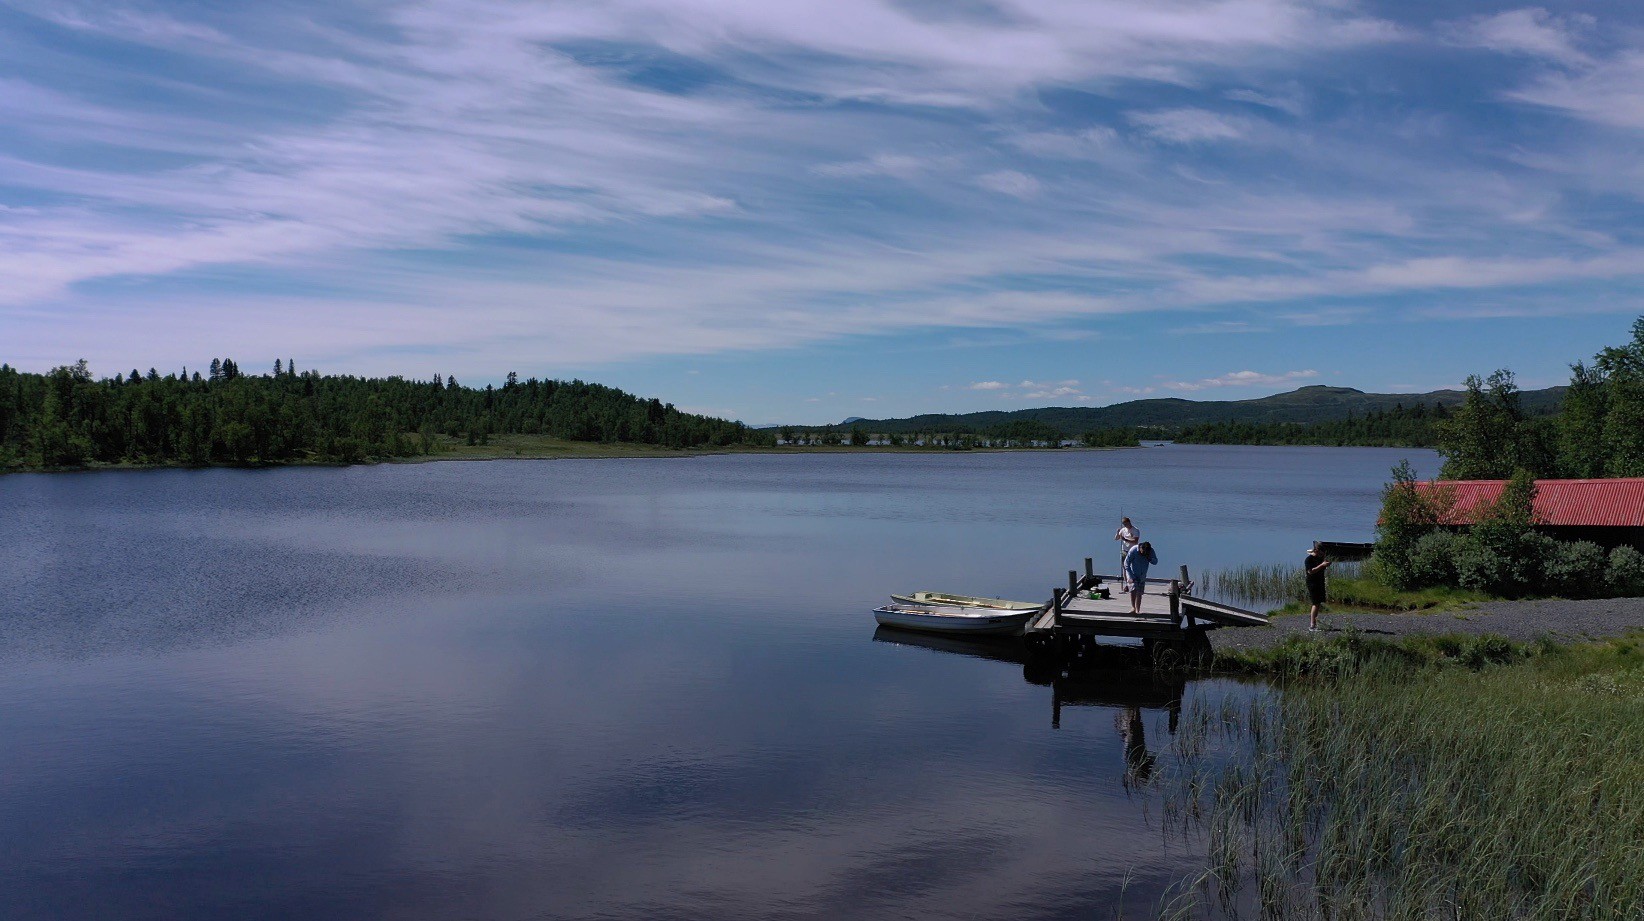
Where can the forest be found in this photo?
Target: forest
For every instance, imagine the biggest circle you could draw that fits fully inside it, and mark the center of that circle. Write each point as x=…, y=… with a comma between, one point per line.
x=67, y=418
x=1400, y=427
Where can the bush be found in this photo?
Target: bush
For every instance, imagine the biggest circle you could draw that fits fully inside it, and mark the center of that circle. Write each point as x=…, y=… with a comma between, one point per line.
x=1432, y=560
x=1575, y=569
x=1626, y=574
x=1407, y=515
x=1479, y=567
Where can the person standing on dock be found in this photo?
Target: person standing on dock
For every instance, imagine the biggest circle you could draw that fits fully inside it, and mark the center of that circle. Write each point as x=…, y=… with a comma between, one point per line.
x=1314, y=566
x=1137, y=560
x=1128, y=537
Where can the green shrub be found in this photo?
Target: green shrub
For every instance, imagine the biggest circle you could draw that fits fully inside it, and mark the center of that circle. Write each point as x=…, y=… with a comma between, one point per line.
x=1432, y=560
x=1575, y=569
x=1479, y=567
x=1626, y=572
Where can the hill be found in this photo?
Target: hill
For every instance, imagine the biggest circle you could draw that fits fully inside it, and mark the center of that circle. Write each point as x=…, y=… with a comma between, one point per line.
x=1317, y=403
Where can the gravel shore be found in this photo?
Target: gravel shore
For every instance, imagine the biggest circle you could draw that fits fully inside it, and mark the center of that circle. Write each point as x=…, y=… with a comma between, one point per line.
x=1516, y=620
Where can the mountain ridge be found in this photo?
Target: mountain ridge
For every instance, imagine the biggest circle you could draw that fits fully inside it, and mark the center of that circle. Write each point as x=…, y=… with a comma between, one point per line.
x=1313, y=403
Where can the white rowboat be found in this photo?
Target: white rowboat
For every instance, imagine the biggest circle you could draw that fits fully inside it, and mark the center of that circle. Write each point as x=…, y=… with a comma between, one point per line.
x=941, y=618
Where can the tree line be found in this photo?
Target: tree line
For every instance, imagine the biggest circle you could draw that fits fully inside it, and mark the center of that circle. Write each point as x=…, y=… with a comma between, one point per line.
x=1415, y=426
x=1599, y=433
x=68, y=418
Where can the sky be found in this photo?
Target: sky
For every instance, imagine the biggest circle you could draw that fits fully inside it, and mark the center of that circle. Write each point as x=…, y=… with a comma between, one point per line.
x=780, y=211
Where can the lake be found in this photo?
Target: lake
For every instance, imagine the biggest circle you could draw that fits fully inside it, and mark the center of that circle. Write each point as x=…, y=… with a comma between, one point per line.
x=615, y=689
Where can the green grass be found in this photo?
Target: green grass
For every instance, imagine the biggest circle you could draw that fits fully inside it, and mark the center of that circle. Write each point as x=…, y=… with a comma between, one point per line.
x=1309, y=655
x=1404, y=781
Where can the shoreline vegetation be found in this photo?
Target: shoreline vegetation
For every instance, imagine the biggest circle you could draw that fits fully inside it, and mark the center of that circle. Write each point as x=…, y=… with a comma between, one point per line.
x=1446, y=778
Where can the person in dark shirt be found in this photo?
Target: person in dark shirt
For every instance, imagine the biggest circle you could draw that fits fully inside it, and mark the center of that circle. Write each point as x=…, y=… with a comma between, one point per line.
x=1314, y=566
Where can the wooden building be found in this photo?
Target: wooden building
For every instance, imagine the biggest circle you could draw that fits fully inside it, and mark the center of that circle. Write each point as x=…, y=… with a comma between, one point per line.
x=1606, y=512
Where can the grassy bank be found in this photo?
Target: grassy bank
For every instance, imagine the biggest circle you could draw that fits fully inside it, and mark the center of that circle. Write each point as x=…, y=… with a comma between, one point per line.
x=1426, y=779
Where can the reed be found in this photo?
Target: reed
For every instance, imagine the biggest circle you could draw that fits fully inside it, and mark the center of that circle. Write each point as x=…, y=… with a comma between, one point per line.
x=1349, y=585
x=1393, y=788
x=1271, y=583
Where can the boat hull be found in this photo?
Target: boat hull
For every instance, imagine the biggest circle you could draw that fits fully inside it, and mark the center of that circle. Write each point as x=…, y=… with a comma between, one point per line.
x=953, y=619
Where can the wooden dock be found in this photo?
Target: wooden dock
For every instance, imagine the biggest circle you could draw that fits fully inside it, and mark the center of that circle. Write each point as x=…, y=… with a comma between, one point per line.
x=1170, y=619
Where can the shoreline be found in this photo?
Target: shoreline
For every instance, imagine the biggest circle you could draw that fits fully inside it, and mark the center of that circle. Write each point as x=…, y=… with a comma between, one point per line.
x=592, y=451
x=1556, y=620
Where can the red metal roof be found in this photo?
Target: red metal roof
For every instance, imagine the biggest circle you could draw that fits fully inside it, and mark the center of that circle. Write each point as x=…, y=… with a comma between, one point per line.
x=1613, y=503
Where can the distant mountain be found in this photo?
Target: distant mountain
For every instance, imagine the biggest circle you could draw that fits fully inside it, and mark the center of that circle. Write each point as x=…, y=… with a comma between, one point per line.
x=1317, y=403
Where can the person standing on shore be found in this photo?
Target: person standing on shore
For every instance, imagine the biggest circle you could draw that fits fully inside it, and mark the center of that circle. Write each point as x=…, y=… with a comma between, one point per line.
x=1314, y=566
x=1137, y=560
x=1128, y=537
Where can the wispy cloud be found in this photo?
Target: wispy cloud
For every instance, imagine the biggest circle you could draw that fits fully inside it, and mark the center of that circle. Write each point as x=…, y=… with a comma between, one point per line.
x=1010, y=182
x=898, y=166
x=1190, y=126
x=1241, y=379
x=1532, y=31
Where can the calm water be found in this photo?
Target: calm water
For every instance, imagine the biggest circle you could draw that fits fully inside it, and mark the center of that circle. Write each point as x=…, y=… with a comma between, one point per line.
x=611, y=689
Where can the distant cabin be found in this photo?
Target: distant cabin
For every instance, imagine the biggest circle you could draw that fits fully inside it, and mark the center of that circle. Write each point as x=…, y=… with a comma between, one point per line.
x=1606, y=512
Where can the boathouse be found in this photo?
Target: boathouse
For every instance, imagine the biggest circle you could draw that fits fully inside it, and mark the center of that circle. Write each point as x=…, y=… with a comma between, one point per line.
x=1606, y=512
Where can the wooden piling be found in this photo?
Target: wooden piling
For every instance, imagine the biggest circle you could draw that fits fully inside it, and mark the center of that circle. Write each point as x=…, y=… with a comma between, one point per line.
x=1090, y=570
x=1056, y=606
x=1072, y=583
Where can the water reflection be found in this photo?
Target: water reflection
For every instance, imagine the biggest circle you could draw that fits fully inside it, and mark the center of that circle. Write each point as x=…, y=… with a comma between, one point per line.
x=996, y=648
x=1108, y=676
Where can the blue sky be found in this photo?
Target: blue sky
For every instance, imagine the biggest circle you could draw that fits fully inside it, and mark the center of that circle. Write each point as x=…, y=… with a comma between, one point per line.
x=784, y=211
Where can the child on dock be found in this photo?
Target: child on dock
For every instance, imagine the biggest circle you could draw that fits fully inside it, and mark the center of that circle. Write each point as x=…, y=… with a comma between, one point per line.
x=1128, y=537
x=1136, y=562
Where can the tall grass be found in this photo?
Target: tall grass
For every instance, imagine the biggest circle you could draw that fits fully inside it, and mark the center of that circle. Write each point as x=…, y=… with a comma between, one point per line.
x=1348, y=584
x=1387, y=790
x=1268, y=584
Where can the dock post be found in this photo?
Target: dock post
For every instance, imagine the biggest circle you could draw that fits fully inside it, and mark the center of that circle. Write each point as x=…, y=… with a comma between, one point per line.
x=1072, y=583
x=1186, y=582
x=1056, y=607
x=1176, y=603
x=1090, y=570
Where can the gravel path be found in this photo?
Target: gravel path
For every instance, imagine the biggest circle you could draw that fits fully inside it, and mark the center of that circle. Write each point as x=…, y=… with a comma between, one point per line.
x=1517, y=620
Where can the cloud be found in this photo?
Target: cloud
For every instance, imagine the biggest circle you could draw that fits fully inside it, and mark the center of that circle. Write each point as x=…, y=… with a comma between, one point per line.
x=989, y=385
x=1190, y=126
x=1087, y=143
x=1010, y=182
x=1610, y=92
x=1241, y=379
x=897, y=166
x=1532, y=31
x=1290, y=99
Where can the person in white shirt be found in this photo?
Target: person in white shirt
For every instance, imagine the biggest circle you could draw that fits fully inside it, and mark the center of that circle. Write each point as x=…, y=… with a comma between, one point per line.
x=1128, y=536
